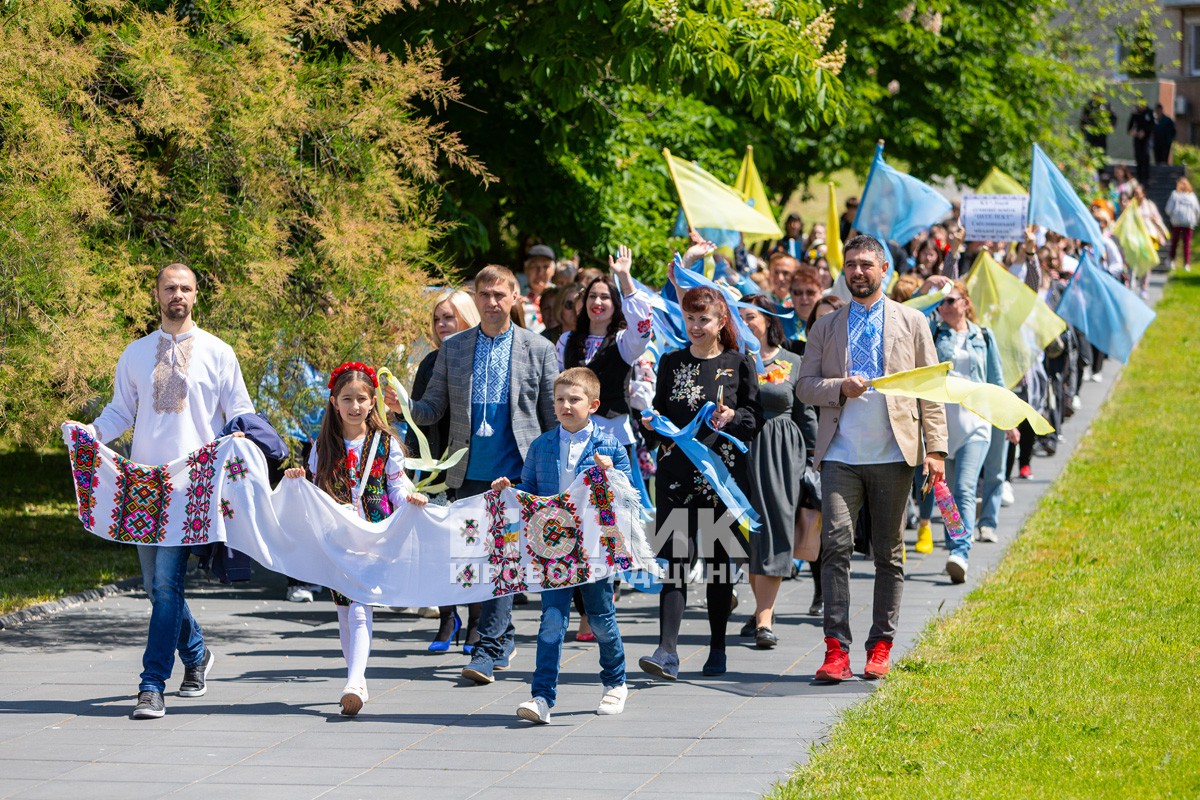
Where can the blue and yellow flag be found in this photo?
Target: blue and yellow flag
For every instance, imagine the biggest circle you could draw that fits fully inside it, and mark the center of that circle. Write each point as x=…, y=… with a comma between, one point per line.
x=708, y=203
x=995, y=404
x=998, y=182
x=750, y=186
x=1020, y=321
x=1109, y=315
x=1054, y=204
x=1136, y=243
x=833, y=237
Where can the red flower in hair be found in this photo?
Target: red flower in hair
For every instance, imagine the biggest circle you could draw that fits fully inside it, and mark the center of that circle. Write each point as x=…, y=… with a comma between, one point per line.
x=357, y=366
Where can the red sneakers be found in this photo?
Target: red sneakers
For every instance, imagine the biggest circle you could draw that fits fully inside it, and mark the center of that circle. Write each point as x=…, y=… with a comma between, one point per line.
x=879, y=661
x=837, y=662
x=1026, y=472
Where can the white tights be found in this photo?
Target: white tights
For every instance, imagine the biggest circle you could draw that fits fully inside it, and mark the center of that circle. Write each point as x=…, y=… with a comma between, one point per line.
x=354, y=627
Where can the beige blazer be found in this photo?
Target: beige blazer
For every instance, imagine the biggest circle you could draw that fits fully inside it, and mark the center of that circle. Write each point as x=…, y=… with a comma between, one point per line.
x=918, y=425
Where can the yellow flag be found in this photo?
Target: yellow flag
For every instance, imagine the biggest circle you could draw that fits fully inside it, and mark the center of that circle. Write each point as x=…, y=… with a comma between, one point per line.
x=922, y=302
x=833, y=237
x=708, y=203
x=1132, y=234
x=995, y=404
x=998, y=182
x=1021, y=323
x=750, y=186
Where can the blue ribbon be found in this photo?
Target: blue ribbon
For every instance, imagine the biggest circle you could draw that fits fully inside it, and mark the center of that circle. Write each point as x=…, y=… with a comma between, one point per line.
x=689, y=279
x=707, y=462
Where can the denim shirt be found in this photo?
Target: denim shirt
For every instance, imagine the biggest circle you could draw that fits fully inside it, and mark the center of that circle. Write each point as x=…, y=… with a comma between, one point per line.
x=985, y=357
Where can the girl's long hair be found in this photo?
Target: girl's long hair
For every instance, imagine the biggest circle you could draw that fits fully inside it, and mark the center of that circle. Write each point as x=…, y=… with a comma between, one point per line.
x=576, y=349
x=702, y=298
x=331, y=446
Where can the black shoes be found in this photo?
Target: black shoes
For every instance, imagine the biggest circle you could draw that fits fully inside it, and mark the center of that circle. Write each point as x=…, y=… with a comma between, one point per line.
x=194, y=684
x=765, y=638
x=715, y=665
x=150, y=705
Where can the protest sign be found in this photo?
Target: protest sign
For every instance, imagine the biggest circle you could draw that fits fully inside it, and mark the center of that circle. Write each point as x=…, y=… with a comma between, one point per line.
x=994, y=217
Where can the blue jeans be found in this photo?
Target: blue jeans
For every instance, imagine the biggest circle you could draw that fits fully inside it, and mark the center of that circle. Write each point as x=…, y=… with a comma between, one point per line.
x=172, y=626
x=497, y=635
x=962, y=476
x=993, y=480
x=556, y=617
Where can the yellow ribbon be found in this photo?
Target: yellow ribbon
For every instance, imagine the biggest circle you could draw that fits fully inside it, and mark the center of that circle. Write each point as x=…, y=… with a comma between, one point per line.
x=426, y=463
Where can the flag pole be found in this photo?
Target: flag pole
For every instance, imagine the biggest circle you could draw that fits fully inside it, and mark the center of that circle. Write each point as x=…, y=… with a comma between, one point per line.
x=682, y=203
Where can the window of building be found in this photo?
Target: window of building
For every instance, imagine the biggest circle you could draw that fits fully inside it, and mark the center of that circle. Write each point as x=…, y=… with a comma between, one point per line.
x=1193, y=48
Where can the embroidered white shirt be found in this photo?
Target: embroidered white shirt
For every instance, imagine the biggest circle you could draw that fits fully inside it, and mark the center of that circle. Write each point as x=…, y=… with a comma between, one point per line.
x=176, y=392
x=570, y=449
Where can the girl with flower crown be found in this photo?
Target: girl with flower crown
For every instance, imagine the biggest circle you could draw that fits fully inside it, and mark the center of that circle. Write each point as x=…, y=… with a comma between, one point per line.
x=359, y=461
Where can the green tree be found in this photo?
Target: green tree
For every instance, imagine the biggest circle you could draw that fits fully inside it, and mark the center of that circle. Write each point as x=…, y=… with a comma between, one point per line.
x=569, y=103
x=292, y=164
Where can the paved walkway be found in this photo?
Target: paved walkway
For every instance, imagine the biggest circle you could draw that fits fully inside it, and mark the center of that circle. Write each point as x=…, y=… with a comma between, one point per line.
x=269, y=727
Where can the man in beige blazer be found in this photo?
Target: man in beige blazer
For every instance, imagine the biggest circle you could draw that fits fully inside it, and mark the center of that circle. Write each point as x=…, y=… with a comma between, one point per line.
x=868, y=447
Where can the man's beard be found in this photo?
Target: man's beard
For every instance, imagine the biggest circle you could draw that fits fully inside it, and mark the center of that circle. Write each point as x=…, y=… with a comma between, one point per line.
x=176, y=313
x=863, y=291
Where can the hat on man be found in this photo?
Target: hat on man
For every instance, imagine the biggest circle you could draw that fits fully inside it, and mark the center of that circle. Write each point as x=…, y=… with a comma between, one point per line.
x=539, y=251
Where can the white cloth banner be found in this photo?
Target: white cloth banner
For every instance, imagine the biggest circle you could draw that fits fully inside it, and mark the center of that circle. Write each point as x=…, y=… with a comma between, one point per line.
x=994, y=217
x=475, y=549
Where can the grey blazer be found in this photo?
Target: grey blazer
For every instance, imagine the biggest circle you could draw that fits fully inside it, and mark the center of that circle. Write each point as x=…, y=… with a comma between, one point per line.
x=532, y=371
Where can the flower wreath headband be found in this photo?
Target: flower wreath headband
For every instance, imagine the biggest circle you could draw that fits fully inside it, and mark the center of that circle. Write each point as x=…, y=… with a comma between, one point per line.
x=357, y=366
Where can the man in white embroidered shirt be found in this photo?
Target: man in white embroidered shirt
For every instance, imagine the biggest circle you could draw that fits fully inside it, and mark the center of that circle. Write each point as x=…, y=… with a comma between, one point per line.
x=176, y=388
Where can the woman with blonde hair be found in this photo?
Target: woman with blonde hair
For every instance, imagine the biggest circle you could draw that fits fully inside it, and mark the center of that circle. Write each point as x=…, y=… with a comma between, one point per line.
x=1183, y=209
x=452, y=311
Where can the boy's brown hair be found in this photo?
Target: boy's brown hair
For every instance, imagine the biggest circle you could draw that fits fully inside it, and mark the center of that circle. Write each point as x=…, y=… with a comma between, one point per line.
x=580, y=378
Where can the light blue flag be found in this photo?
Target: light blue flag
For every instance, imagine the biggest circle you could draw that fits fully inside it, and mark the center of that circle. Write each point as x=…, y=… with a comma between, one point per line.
x=718, y=236
x=1109, y=315
x=896, y=207
x=708, y=463
x=690, y=279
x=1053, y=204
x=667, y=329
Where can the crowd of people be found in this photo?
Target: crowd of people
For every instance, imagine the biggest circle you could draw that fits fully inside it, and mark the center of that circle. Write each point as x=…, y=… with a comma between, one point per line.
x=543, y=374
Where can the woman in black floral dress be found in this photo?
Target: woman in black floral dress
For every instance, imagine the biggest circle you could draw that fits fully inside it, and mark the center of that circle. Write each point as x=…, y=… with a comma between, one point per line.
x=710, y=369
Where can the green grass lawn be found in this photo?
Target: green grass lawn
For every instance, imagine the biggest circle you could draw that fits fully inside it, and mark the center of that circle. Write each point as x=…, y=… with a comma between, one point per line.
x=1072, y=671
x=44, y=551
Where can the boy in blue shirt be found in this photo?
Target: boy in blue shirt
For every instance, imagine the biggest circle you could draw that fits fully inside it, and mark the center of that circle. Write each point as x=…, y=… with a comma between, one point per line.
x=553, y=461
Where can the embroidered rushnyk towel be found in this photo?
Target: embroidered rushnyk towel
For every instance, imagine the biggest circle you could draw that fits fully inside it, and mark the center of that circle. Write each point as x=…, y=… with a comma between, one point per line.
x=478, y=548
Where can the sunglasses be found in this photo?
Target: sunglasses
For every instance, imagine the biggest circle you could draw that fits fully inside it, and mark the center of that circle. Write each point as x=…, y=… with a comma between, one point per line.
x=949, y=301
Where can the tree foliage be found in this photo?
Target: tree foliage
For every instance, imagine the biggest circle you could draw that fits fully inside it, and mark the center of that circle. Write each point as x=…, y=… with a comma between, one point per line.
x=291, y=163
x=569, y=103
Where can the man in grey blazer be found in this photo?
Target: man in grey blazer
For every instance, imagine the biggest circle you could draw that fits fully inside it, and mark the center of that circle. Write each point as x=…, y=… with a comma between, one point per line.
x=496, y=381
x=868, y=446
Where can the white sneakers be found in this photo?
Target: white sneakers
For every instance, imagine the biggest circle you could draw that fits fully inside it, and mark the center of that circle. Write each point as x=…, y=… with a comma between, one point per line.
x=1007, y=498
x=956, y=568
x=986, y=533
x=536, y=709
x=613, y=701
x=353, y=699
x=300, y=593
